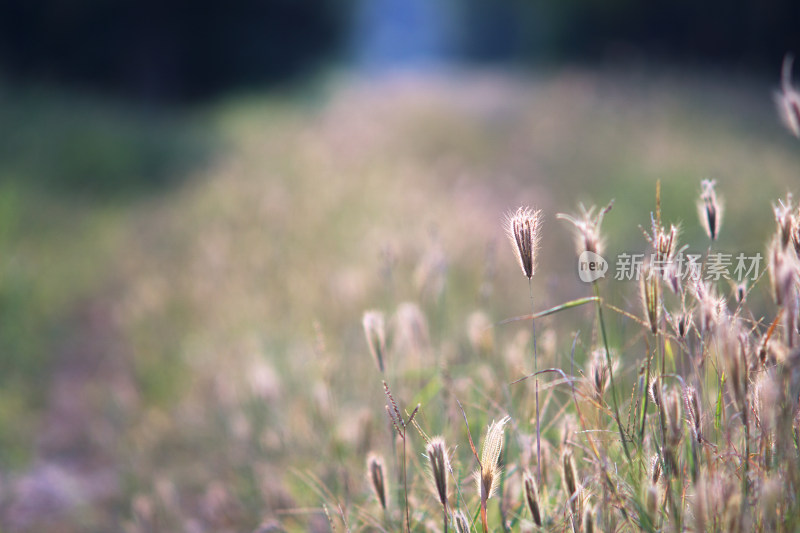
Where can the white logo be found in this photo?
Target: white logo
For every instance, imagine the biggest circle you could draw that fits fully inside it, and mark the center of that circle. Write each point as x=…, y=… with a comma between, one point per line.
x=591, y=267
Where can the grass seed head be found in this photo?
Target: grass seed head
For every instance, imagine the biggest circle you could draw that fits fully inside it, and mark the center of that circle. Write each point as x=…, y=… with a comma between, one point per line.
x=649, y=286
x=674, y=418
x=523, y=228
x=440, y=465
x=376, y=472
x=655, y=469
x=488, y=476
x=598, y=372
x=710, y=208
x=784, y=218
x=531, y=494
x=460, y=522
x=788, y=100
x=691, y=403
x=375, y=332
x=587, y=228
x=569, y=474
x=782, y=272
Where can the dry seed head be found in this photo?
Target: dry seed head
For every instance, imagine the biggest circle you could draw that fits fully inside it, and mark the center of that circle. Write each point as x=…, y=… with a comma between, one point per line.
x=665, y=243
x=672, y=411
x=741, y=292
x=795, y=232
x=440, y=465
x=488, y=476
x=782, y=272
x=598, y=372
x=569, y=474
x=522, y=228
x=710, y=306
x=531, y=494
x=682, y=323
x=375, y=332
x=784, y=219
x=655, y=468
x=710, y=209
x=587, y=228
x=655, y=393
x=788, y=100
x=376, y=473
x=460, y=522
x=649, y=292
x=691, y=402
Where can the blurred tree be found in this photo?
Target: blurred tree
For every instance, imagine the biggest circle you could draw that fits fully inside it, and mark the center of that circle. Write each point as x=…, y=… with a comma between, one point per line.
x=167, y=49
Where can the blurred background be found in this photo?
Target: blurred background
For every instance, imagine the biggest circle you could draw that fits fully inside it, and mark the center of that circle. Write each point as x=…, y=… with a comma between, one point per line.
x=198, y=200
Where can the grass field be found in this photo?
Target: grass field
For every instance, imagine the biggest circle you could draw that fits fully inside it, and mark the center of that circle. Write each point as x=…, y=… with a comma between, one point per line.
x=183, y=296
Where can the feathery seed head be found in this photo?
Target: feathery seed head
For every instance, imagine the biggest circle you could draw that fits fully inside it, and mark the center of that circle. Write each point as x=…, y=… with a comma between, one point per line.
x=665, y=243
x=788, y=100
x=460, y=522
x=691, y=402
x=710, y=209
x=682, y=323
x=655, y=469
x=440, y=464
x=488, y=476
x=655, y=393
x=523, y=228
x=784, y=218
x=710, y=306
x=375, y=332
x=782, y=272
x=587, y=228
x=569, y=475
x=598, y=372
x=672, y=410
x=531, y=494
x=377, y=478
x=649, y=287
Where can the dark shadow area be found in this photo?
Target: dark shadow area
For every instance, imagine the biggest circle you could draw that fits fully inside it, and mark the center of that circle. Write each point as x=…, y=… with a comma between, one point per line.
x=167, y=51
x=96, y=149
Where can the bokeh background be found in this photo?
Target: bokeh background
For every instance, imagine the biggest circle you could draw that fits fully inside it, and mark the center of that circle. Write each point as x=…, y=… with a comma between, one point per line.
x=198, y=200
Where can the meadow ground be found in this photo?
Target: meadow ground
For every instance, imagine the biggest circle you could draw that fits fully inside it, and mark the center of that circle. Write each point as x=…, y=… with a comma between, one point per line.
x=182, y=296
